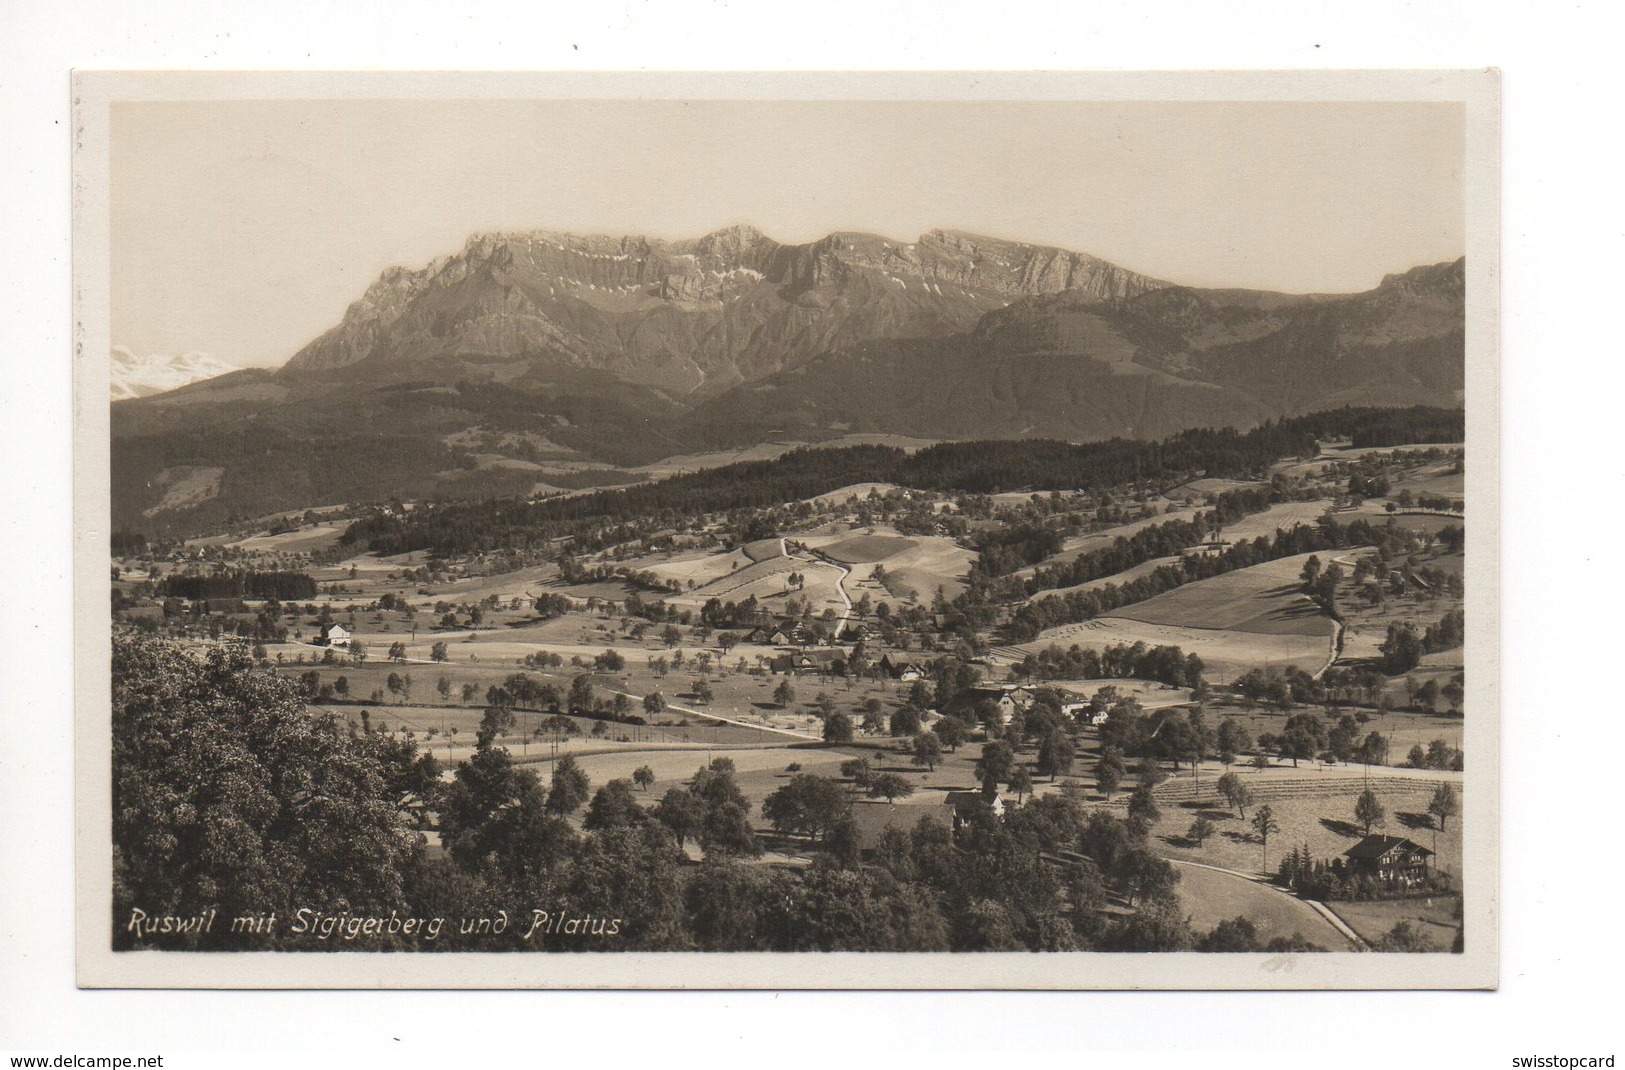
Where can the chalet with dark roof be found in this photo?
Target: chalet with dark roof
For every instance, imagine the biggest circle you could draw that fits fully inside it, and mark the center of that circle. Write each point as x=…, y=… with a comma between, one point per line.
x=965, y=805
x=900, y=668
x=817, y=661
x=769, y=635
x=874, y=818
x=1389, y=858
x=1009, y=698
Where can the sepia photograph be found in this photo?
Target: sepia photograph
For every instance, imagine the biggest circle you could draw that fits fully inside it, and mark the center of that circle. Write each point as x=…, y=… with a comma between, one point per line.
x=995, y=531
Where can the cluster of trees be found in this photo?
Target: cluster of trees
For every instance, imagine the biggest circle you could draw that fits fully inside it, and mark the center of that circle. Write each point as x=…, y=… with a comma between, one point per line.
x=748, y=613
x=816, y=807
x=549, y=605
x=1280, y=688
x=228, y=794
x=1003, y=549
x=129, y=544
x=1167, y=664
x=238, y=584
x=1310, y=735
x=1439, y=503
x=712, y=811
x=1369, y=485
x=1171, y=735
x=1438, y=754
x=1403, y=648
x=657, y=613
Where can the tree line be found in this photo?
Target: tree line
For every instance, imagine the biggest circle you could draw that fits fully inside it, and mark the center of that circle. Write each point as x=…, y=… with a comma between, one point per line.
x=282, y=586
x=1166, y=664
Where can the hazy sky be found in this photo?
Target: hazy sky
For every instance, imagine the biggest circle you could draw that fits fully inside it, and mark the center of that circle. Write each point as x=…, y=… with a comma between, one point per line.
x=244, y=229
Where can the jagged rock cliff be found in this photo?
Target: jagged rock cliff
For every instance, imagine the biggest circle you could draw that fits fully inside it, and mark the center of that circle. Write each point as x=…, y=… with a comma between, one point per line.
x=689, y=317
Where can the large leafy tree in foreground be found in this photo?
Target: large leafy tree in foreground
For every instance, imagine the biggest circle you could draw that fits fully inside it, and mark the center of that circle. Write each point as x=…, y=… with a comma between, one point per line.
x=228, y=794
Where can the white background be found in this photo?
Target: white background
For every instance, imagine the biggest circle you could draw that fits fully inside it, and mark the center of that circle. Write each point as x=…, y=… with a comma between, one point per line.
x=1562, y=232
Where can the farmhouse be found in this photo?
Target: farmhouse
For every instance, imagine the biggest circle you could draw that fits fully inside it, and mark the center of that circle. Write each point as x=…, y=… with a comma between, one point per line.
x=900, y=668
x=333, y=635
x=1009, y=699
x=1389, y=858
x=1080, y=712
x=873, y=819
x=773, y=635
x=965, y=805
x=817, y=661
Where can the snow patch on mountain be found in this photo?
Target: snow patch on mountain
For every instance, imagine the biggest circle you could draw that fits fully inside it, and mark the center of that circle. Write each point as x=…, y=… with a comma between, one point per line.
x=133, y=376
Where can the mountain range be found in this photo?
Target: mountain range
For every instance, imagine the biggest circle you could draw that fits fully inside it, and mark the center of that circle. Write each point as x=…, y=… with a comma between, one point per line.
x=133, y=376
x=537, y=361
x=689, y=318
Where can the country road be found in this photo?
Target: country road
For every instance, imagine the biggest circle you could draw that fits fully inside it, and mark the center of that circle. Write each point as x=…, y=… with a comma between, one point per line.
x=725, y=720
x=840, y=584
x=1274, y=909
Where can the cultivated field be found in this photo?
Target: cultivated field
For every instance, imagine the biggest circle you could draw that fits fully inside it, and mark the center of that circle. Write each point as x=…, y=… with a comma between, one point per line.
x=1250, y=618
x=1263, y=598
x=868, y=549
x=1279, y=517
x=697, y=566
x=933, y=563
x=1207, y=486
x=768, y=581
x=1227, y=654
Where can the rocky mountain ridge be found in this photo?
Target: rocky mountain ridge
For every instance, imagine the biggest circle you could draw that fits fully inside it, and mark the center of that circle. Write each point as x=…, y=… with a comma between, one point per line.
x=692, y=317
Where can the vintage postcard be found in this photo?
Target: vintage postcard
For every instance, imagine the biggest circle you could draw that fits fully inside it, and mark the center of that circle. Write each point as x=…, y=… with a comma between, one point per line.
x=951, y=530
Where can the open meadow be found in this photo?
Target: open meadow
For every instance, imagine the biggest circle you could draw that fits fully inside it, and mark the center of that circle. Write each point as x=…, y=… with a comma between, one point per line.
x=1211, y=896
x=1226, y=654
x=1313, y=807
x=1265, y=599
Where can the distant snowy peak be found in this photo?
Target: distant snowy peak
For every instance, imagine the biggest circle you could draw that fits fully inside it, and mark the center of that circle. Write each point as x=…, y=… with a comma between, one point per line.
x=139, y=377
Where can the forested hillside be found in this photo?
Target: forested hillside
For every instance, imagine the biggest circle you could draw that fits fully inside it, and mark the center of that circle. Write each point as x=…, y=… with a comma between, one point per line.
x=971, y=467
